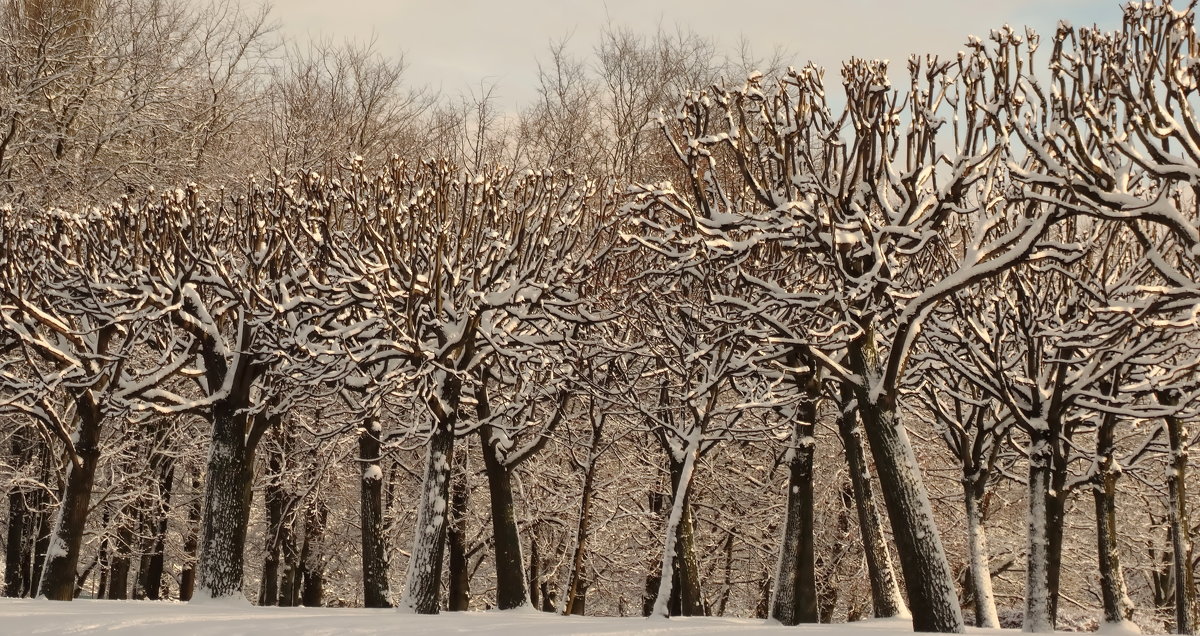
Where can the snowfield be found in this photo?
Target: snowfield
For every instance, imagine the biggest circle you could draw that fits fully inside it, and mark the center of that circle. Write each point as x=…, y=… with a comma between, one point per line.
x=156, y=618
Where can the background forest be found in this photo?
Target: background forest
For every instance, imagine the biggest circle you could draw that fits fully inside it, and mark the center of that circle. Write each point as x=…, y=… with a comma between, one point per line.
x=688, y=336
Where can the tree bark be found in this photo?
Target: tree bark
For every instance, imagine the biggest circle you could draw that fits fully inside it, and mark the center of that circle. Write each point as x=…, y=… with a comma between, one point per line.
x=977, y=548
x=680, y=594
x=118, y=581
x=422, y=589
x=154, y=570
x=227, y=498
x=576, y=587
x=276, y=500
x=928, y=578
x=795, y=599
x=510, y=580
x=312, y=592
x=62, y=554
x=459, y=590
x=1117, y=605
x=191, y=544
x=1177, y=521
x=376, y=591
x=886, y=599
x=16, y=553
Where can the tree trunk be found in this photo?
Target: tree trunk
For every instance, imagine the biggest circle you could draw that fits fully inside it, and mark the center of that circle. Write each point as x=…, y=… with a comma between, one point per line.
x=291, y=578
x=376, y=592
x=15, y=554
x=276, y=500
x=510, y=582
x=1047, y=498
x=680, y=572
x=1177, y=522
x=1117, y=605
x=422, y=589
x=795, y=599
x=312, y=593
x=928, y=578
x=459, y=591
x=885, y=587
x=191, y=544
x=977, y=548
x=62, y=554
x=576, y=587
x=227, y=498
x=118, y=581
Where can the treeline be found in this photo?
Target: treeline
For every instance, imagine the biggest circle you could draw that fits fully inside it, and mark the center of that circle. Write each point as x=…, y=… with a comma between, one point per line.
x=749, y=338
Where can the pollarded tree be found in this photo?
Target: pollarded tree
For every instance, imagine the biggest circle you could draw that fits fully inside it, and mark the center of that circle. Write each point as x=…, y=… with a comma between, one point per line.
x=867, y=195
x=76, y=309
x=457, y=262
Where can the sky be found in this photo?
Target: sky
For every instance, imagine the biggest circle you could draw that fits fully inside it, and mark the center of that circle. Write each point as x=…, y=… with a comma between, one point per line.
x=457, y=45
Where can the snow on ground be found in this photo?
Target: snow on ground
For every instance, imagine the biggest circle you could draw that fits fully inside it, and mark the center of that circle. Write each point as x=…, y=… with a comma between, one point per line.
x=148, y=618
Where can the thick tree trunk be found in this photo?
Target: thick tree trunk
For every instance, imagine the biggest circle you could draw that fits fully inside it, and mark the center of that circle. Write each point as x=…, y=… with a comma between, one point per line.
x=312, y=593
x=886, y=599
x=1117, y=605
x=928, y=578
x=1177, y=523
x=155, y=568
x=795, y=599
x=291, y=578
x=459, y=589
x=1044, y=548
x=276, y=500
x=376, y=592
x=422, y=589
x=679, y=590
x=977, y=548
x=14, y=555
x=20, y=519
x=62, y=554
x=118, y=581
x=227, y=498
x=191, y=544
x=510, y=582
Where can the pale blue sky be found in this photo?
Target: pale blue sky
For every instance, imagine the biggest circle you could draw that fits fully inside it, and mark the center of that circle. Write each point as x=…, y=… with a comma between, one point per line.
x=453, y=45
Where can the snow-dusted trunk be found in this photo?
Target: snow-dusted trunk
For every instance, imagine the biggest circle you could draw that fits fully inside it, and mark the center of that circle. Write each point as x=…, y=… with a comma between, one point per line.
x=118, y=583
x=1117, y=605
x=458, y=562
x=795, y=598
x=191, y=546
x=928, y=578
x=21, y=518
x=977, y=547
x=374, y=547
x=885, y=587
x=422, y=587
x=1044, y=548
x=679, y=557
x=576, y=586
x=510, y=579
x=151, y=583
x=1177, y=521
x=227, y=497
x=62, y=553
x=276, y=500
x=312, y=591
x=14, y=554
x=927, y=575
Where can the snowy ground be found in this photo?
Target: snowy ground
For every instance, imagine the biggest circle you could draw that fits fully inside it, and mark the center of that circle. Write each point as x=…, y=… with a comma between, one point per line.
x=23, y=616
